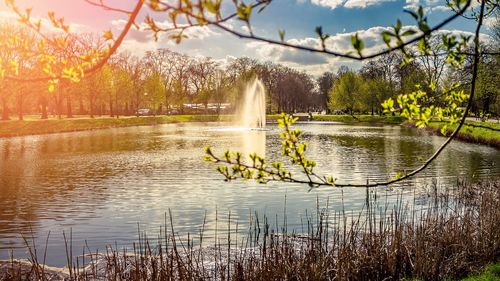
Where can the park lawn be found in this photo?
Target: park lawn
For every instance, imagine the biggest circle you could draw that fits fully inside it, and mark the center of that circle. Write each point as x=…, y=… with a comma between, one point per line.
x=32, y=125
x=475, y=132
x=349, y=118
x=13, y=128
x=490, y=273
x=386, y=119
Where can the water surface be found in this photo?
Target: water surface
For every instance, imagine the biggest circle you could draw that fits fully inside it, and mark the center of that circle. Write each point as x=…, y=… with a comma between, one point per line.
x=101, y=185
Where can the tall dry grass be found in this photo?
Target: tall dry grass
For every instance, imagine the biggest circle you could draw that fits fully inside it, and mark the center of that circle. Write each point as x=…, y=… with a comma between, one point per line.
x=452, y=235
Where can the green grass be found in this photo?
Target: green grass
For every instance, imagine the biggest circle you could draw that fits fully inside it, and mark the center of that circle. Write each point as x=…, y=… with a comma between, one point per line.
x=36, y=127
x=350, y=118
x=491, y=273
x=32, y=125
x=361, y=118
x=475, y=132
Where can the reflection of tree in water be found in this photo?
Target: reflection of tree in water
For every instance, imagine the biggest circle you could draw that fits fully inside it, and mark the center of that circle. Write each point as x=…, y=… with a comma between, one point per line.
x=472, y=165
x=385, y=151
x=73, y=177
x=66, y=175
x=51, y=177
x=366, y=155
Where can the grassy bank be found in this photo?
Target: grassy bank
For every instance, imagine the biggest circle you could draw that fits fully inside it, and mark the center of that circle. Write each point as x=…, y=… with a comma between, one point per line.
x=473, y=132
x=360, y=118
x=37, y=127
x=32, y=125
x=490, y=273
x=348, y=118
x=456, y=236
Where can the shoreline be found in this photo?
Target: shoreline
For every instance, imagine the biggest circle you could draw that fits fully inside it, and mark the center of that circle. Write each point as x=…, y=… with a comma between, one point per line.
x=375, y=119
x=32, y=127
x=16, y=128
x=471, y=132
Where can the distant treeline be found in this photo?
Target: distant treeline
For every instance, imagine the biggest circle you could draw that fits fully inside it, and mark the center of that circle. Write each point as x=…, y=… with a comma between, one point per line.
x=164, y=81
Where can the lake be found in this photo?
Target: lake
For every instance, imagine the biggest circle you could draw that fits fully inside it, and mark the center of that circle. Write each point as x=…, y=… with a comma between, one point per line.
x=103, y=185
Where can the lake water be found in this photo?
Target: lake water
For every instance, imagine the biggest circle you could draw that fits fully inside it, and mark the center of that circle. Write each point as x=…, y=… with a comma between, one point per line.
x=102, y=185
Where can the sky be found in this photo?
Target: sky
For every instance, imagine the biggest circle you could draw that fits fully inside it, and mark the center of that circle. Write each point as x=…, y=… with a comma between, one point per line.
x=340, y=18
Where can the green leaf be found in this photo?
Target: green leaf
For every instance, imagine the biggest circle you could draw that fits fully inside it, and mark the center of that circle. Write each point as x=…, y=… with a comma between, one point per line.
x=108, y=35
x=282, y=35
x=243, y=12
x=444, y=129
x=412, y=13
x=424, y=27
x=420, y=12
x=319, y=31
x=409, y=32
x=398, y=26
x=386, y=36
x=357, y=43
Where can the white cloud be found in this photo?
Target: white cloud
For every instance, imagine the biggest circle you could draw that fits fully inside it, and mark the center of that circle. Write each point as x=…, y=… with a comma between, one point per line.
x=489, y=21
x=138, y=48
x=428, y=5
x=440, y=8
x=142, y=34
x=333, y=4
x=363, y=3
x=316, y=63
x=329, y=3
x=280, y=54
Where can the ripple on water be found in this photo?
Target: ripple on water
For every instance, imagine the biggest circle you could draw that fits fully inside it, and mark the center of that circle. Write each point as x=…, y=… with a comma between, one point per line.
x=100, y=185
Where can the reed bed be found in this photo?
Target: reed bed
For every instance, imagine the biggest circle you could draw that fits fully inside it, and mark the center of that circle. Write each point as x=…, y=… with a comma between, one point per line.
x=453, y=234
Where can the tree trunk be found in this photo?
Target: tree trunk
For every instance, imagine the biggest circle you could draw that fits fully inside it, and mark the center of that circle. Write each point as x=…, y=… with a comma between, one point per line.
x=20, y=107
x=43, y=107
x=58, y=104
x=166, y=100
x=69, y=113
x=136, y=105
x=111, y=113
x=486, y=106
x=91, y=104
x=5, y=109
x=81, y=110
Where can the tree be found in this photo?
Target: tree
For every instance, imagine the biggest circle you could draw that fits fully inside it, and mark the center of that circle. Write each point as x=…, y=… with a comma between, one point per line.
x=163, y=61
x=154, y=92
x=375, y=91
x=433, y=65
x=221, y=88
x=202, y=73
x=7, y=54
x=325, y=83
x=346, y=93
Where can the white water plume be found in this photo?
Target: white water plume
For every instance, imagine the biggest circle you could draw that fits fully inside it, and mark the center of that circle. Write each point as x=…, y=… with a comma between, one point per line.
x=253, y=113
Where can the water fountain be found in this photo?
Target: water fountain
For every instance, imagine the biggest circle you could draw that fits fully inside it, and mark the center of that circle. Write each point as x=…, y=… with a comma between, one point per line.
x=250, y=121
x=253, y=112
